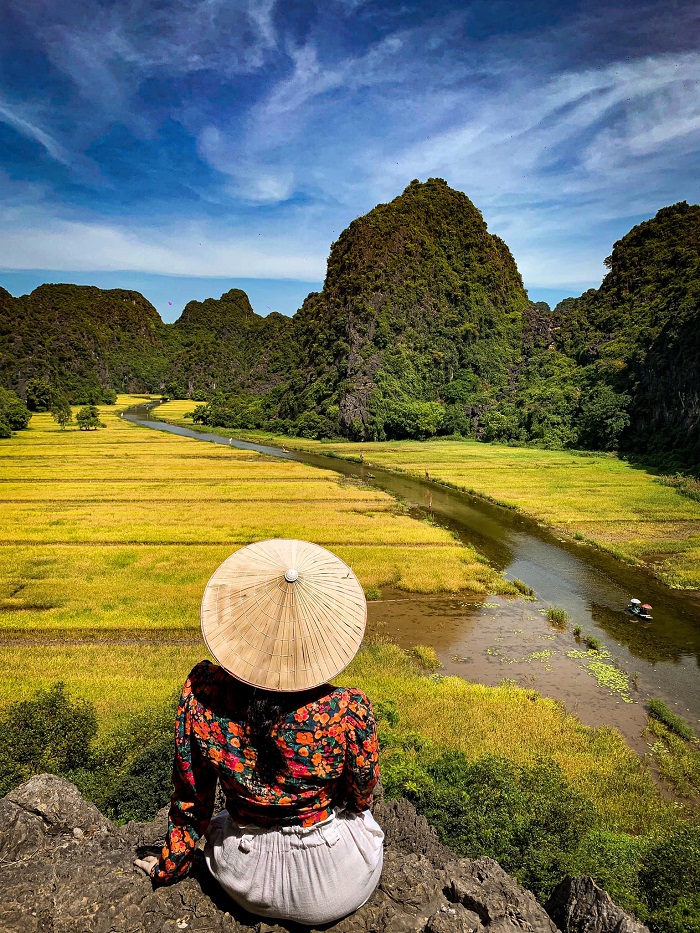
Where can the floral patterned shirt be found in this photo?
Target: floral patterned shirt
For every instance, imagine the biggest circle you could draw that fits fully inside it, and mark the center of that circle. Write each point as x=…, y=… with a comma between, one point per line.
x=329, y=745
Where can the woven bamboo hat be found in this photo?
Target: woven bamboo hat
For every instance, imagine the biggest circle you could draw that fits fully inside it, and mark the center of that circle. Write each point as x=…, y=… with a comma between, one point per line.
x=283, y=615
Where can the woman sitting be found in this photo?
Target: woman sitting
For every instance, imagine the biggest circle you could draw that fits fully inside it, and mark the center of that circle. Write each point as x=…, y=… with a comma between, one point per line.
x=296, y=758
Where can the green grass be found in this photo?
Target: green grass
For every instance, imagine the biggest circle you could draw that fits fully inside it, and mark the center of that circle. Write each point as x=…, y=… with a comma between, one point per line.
x=596, y=498
x=674, y=723
x=557, y=616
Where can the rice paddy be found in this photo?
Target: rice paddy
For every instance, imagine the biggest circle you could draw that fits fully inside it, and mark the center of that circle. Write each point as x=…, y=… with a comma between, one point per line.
x=119, y=529
x=591, y=498
x=107, y=539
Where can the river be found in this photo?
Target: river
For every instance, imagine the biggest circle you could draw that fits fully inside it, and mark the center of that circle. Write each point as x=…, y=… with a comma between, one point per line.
x=490, y=639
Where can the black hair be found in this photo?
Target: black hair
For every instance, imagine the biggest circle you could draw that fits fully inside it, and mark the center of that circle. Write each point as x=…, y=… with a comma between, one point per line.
x=263, y=712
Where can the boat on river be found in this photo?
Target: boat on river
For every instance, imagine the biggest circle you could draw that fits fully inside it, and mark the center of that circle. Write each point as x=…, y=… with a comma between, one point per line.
x=640, y=609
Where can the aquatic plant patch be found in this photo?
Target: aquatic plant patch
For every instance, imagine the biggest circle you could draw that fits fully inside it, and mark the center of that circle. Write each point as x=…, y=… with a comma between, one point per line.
x=598, y=665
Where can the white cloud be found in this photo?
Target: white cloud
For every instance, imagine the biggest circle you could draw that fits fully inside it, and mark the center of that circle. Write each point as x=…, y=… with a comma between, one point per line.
x=43, y=242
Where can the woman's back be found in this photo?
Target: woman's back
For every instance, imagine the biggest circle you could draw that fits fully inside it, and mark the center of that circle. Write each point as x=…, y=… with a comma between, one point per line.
x=326, y=754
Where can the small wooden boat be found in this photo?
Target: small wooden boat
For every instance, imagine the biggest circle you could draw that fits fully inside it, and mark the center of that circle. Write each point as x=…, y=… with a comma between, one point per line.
x=641, y=610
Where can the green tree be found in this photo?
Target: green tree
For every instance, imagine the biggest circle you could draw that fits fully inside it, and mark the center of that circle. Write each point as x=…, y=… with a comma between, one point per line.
x=89, y=418
x=13, y=411
x=61, y=411
x=39, y=395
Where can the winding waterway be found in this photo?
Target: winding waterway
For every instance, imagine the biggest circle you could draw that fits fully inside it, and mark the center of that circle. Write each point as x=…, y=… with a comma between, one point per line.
x=592, y=586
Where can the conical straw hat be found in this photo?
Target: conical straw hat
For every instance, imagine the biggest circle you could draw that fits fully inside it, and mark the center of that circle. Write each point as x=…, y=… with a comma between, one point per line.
x=283, y=614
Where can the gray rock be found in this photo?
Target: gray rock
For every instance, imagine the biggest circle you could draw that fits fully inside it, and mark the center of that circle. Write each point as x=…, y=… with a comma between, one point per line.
x=498, y=900
x=578, y=905
x=59, y=804
x=56, y=879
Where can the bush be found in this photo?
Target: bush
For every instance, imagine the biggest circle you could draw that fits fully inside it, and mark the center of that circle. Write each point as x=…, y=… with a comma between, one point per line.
x=89, y=418
x=145, y=786
x=659, y=710
x=670, y=881
x=591, y=642
x=527, y=818
x=50, y=733
x=5, y=430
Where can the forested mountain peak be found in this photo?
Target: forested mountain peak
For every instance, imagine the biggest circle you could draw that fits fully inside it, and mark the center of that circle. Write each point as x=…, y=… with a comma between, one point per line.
x=418, y=295
x=218, y=316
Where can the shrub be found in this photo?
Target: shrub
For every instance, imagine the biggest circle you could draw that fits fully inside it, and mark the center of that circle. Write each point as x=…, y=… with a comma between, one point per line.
x=591, y=642
x=5, y=429
x=670, y=881
x=89, y=418
x=659, y=710
x=386, y=711
x=145, y=786
x=577, y=631
x=49, y=732
x=527, y=818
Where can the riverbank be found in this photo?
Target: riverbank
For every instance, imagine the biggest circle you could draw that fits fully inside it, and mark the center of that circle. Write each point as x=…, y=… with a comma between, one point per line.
x=589, y=498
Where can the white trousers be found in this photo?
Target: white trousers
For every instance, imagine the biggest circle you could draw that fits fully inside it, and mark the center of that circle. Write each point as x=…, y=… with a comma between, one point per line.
x=312, y=875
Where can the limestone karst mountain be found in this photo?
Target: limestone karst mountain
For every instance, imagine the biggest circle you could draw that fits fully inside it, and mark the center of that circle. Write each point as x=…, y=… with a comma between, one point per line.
x=422, y=327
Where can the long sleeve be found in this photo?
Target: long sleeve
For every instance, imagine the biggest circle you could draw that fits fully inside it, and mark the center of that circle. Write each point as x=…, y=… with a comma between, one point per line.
x=361, y=752
x=192, y=802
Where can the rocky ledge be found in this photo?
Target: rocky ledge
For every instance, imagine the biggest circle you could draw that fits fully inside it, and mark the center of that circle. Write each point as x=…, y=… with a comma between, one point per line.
x=65, y=868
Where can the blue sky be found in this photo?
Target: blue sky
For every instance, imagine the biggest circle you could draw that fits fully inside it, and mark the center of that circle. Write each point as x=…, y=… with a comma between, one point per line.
x=181, y=147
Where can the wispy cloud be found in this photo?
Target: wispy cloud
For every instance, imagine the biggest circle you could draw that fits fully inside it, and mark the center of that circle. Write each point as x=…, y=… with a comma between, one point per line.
x=42, y=242
x=28, y=125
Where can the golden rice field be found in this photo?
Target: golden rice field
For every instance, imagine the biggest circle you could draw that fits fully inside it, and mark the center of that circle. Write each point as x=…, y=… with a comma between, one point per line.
x=107, y=539
x=112, y=534
x=120, y=528
x=594, y=498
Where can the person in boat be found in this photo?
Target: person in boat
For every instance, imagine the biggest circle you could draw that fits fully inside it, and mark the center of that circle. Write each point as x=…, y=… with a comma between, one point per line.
x=637, y=608
x=296, y=758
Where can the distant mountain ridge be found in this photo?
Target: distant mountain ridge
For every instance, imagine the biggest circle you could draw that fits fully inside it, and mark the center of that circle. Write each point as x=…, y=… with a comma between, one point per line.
x=422, y=327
